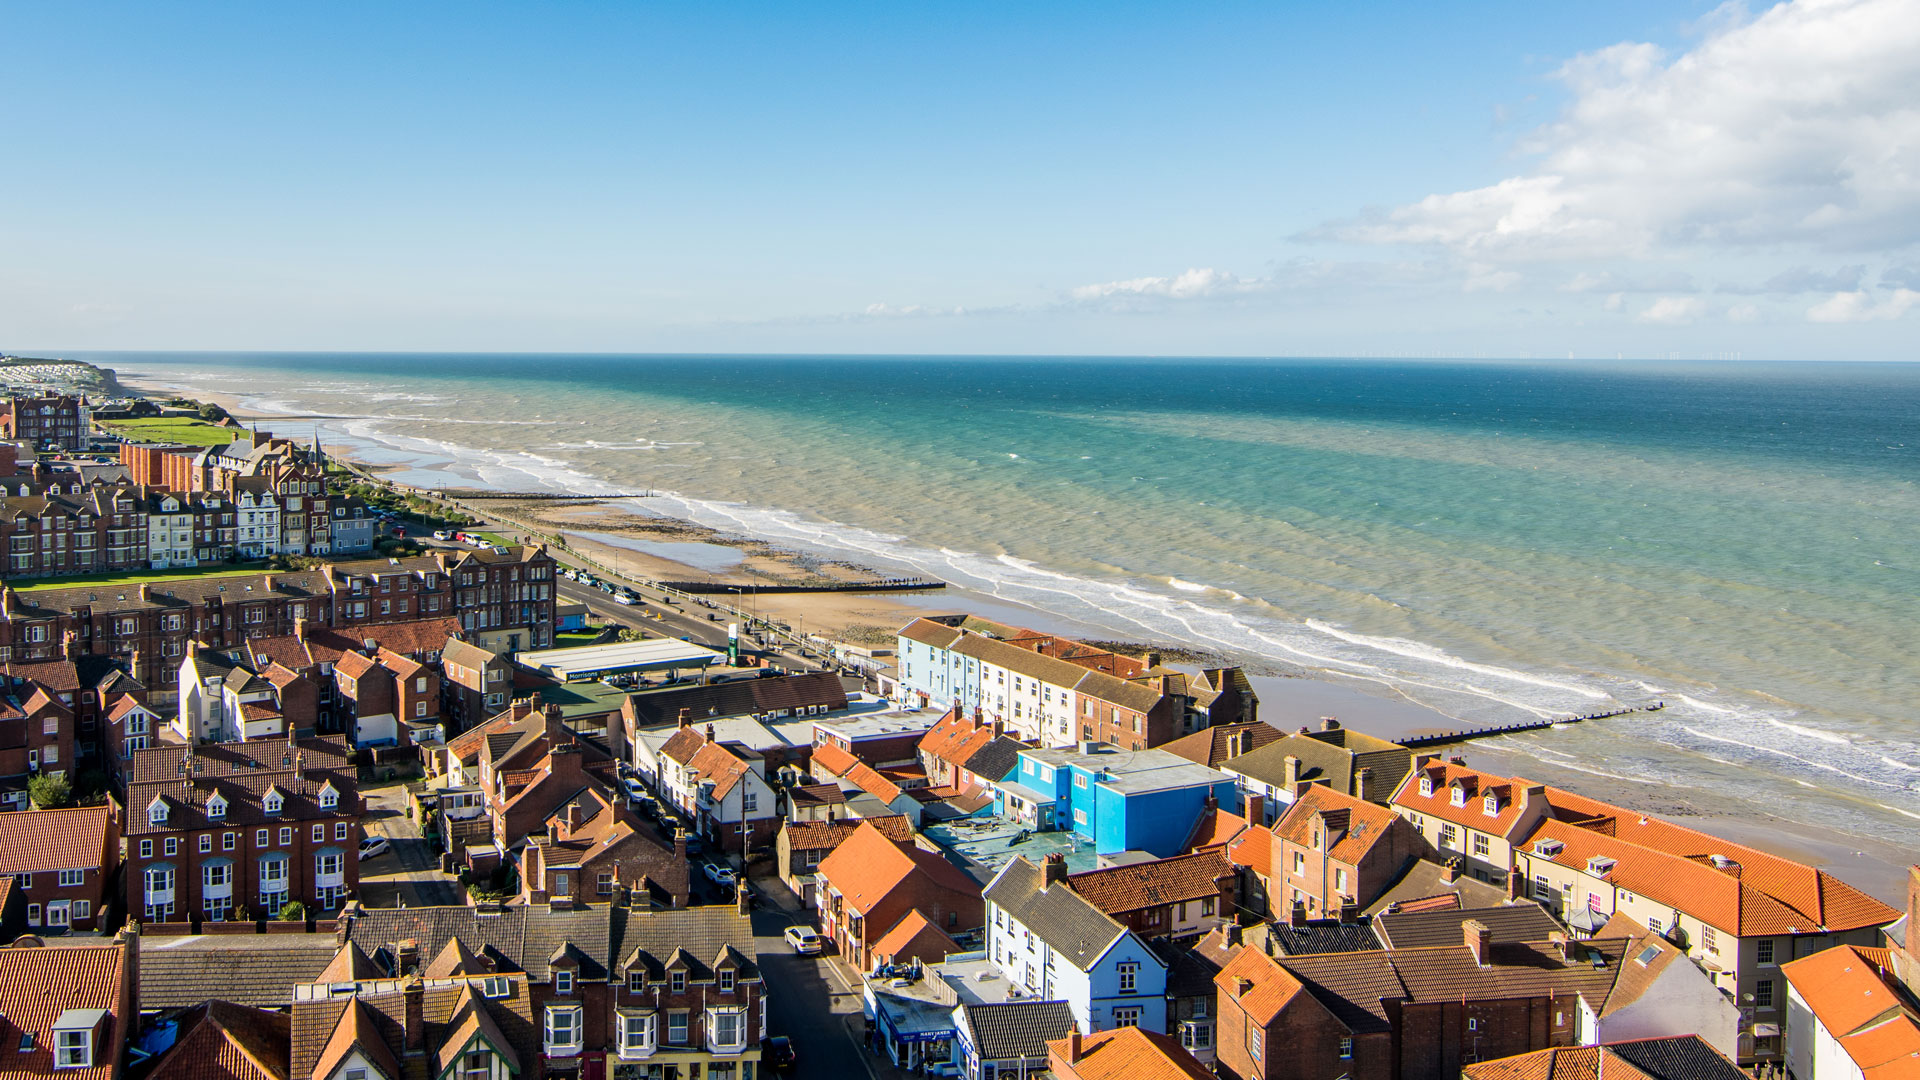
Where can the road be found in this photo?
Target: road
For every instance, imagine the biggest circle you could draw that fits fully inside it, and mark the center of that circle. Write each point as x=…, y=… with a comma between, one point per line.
x=409, y=872
x=808, y=1002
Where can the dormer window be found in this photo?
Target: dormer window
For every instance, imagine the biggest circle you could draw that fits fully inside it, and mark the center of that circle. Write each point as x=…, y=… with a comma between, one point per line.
x=217, y=808
x=157, y=812
x=1491, y=804
x=1459, y=794
x=1426, y=787
x=329, y=798
x=563, y=982
x=726, y=980
x=272, y=802
x=73, y=1036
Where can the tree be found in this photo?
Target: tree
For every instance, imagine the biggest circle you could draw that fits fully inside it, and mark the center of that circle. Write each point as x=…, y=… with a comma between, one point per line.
x=212, y=413
x=295, y=911
x=49, y=792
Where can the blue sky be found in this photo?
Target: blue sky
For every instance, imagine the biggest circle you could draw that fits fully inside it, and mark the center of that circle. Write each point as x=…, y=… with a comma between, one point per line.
x=1258, y=179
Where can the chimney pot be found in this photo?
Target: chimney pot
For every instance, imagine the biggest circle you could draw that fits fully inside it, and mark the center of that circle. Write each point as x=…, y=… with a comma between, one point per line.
x=1329, y=723
x=1256, y=809
x=1053, y=870
x=1297, y=914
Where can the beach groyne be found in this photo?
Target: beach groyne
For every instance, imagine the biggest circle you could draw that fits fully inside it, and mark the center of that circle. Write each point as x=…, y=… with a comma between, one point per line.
x=1449, y=738
x=879, y=585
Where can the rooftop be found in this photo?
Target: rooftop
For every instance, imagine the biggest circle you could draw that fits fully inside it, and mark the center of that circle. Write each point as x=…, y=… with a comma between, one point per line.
x=653, y=654
x=988, y=843
x=1131, y=772
x=880, y=725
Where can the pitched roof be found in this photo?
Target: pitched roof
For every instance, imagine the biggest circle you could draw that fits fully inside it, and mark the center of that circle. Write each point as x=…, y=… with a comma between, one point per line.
x=257, y=970
x=816, y=795
x=1216, y=826
x=955, y=738
x=1863, y=1006
x=1068, y=922
x=349, y=964
x=223, y=1041
x=1149, y=884
x=1005, y=1030
x=1222, y=742
x=1474, y=786
x=1260, y=986
x=1130, y=1053
x=240, y=773
x=792, y=694
x=38, y=984
x=1525, y=921
x=868, y=779
x=1680, y=1057
x=1320, y=936
x=913, y=936
x=36, y=841
x=651, y=938
x=1355, y=824
x=822, y=835
x=722, y=765
x=996, y=759
x=356, y=1030
x=682, y=745
x=867, y=867
x=832, y=760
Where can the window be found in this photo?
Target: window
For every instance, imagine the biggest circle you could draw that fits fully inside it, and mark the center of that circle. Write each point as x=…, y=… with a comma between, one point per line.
x=1196, y=1035
x=340, y=830
x=1129, y=976
x=156, y=813
x=1542, y=889
x=1299, y=864
x=228, y=840
x=749, y=799
x=1340, y=882
x=477, y=1065
x=1449, y=836
x=1707, y=940
x=216, y=807
x=1080, y=780
x=1206, y=905
x=173, y=845
x=636, y=982
x=82, y=910
x=726, y=980
x=329, y=798
x=1482, y=848
x=1763, y=994
x=1127, y=1016
x=33, y=914
x=73, y=1049
x=563, y=1028
x=636, y=1034
x=563, y=982
x=604, y=884
x=319, y=833
x=1346, y=1049
x=1256, y=1043
x=146, y=849
x=206, y=842
x=1654, y=925
x=729, y=1027
x=286, y=836
x=677, y=982
x=1457, y=795
x=271, y=804
x=677, y=1028
x=260, y=837
x=1079, y=817
x=1763, y=951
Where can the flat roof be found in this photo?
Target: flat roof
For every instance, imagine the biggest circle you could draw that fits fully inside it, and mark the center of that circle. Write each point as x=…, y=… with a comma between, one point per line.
x=653, y=654
x=1131, y=772
x=988, y=843
x=881, y=725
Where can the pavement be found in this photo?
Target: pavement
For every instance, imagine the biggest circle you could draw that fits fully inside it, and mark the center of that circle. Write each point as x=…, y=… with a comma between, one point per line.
x=409, y=873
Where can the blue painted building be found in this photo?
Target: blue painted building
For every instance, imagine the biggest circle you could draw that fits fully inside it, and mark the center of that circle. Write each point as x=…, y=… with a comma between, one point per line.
x=1119, y=800
x=1056, y=945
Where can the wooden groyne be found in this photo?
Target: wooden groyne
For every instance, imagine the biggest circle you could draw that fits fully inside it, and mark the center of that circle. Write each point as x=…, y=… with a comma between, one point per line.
x=1450, y=737
x=542, y=496
x=881, y=585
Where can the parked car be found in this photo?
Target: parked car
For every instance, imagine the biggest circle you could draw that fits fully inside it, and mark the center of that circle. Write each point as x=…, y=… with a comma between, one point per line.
x=777, y=1053
x=442, y=534
x=803, y=939
x=373, y=845
x=717, y=874
x=625, y=600
x=634, y=788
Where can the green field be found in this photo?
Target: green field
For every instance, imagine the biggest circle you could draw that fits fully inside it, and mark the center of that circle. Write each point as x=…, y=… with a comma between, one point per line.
x=173, y=429
x=567, y=639
x=143, y=577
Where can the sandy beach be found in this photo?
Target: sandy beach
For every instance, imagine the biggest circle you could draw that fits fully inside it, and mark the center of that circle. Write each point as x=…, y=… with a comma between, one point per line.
x=668, y=549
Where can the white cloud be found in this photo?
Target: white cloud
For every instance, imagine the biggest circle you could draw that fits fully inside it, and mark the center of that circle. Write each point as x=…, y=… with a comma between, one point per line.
x=1616, y=302
x=1859, y=306
x=1673, y=310
x=1192, y=285
x=1801, y=279
x=1799, y=126
x=1743, y=313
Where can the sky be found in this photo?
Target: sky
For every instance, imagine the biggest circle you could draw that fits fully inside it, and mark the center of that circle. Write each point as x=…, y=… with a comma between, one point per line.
x=1592, y=180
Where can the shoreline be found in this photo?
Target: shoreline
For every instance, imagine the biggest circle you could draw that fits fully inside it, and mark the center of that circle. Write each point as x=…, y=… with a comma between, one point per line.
x=633, y=540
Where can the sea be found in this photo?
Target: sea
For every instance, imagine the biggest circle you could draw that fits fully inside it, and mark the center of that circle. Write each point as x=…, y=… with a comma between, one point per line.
x=1502, y=542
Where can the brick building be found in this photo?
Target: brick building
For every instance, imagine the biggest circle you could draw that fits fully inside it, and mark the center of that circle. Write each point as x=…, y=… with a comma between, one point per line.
x=36, y=738
x=221, y=828
x=1332, y=851
x=61, y=862
x=475, y=684
x=82, y=531
x=1181, y=897
x=588, y=845
x=501, y=601
x=47, y=421
x=80, y=1032
x=870, y=883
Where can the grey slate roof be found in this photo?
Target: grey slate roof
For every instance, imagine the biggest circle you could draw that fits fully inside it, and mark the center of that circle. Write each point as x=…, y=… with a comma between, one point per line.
x=1070, y=925
x=1323, y=937
x=1525, y=921
x=996, y=760
x=1015, y=1029
x=650, y=938
x=257, y=970
x=1189, y=972
x=1683, y=1057
x=589, y=931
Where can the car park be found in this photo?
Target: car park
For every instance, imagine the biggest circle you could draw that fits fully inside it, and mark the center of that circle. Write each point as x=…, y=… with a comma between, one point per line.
x=372, y=846
x=804, y=939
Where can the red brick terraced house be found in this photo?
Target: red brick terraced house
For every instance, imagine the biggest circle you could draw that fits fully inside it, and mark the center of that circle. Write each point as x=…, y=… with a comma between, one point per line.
x=36, y=739
x=61, y=862
x=218, y=829
x=55, y=421
x=69, y=1009
x=1331, y=851
x=591, y=847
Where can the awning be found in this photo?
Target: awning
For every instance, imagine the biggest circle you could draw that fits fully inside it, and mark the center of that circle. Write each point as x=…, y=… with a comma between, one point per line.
x=1765, y=1031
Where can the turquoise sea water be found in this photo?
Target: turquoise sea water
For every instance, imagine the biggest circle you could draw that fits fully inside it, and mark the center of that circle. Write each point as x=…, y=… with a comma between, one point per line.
x=1500, y=541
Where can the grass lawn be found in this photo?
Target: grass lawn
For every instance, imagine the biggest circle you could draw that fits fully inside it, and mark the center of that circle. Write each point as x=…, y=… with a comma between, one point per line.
x=112, y=581
x=173, y=429
x=569, y=639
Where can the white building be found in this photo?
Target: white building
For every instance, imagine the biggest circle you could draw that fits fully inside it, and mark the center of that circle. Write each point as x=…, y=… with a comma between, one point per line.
x=221, y=701
x=1849, y=1017
x=170, y=532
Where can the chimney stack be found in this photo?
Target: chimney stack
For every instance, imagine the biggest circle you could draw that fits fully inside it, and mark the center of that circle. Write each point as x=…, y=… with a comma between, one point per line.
x=1329, y=723
x=1297, y=914
x=1053, y=870
x=1479, y=941
x=1234, y=935
x=556, y=731
x=1292, y=774
x=1450, y=871
x=710, y=737
x=1073, y=1046
x=1560, y=942
x=1514, y=881
x=1256, y=809
x=406, y=957
x=146, y=592
x=680, y=844
x=573, y=817
x=686, y=718
x=300, y=765
x=416, y=1013
x=300, y=629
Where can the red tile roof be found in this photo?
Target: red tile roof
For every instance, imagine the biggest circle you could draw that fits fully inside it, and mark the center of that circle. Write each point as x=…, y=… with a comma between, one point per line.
x=40, y=841
x=1261, y=987
x=223, y=1041
x=38, y=984
x=1135, y=886
x=868, y=866
x=1474, y=786
x=720, y=764
x=1361, y=824
x=868, y=779
x=832, y=760
x=1215, y=827
x=1130, y=1053
x=955, y=738
x=826, y=835
x=1857, y=997
x=914, y=938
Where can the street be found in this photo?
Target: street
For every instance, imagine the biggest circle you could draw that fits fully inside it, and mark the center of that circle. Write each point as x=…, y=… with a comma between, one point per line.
x=409, y=873
x=808, y=1002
